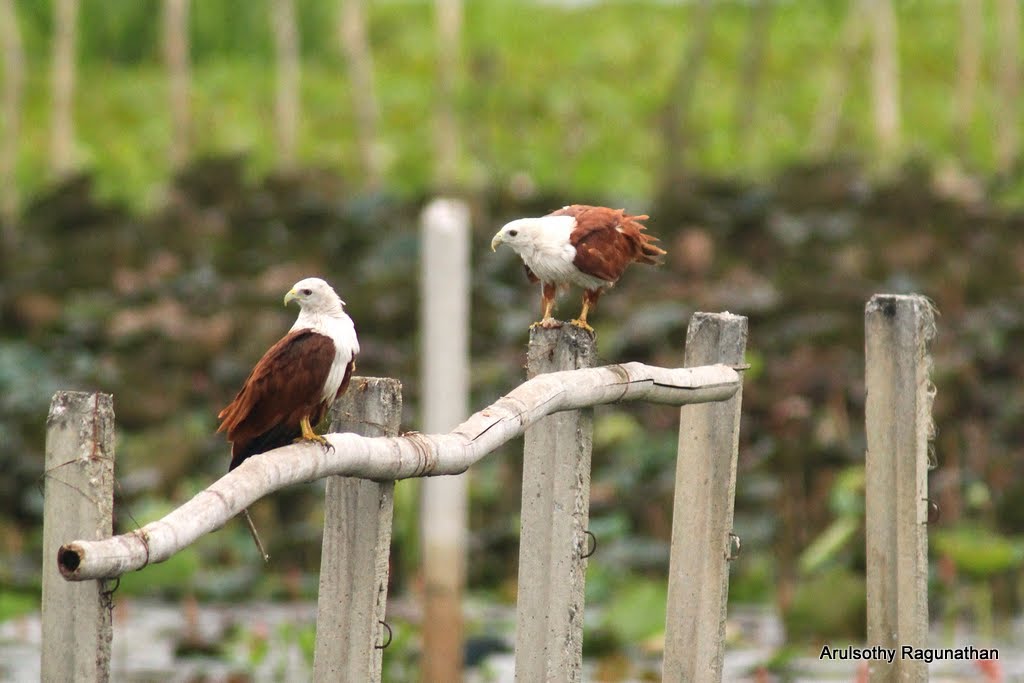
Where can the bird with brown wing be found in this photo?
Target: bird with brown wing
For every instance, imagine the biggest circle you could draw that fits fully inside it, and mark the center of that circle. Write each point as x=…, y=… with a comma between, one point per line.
x=293, y=385
x=587, y=246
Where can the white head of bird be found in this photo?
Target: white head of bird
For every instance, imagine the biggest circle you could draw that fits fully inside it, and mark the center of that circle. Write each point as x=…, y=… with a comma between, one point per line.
x=314, y=295
x=318, y=304
x=529, y=235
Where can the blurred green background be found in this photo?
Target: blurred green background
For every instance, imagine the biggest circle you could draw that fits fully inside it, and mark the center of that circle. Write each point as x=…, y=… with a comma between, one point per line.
x=794, y=157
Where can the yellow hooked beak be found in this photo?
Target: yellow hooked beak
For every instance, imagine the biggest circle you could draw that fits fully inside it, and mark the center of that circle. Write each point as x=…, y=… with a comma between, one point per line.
x=498, y=239
x=290, y=296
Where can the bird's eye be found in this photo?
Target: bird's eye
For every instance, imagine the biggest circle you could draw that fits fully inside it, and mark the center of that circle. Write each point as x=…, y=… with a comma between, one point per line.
x=513, y=233
x=306, y=292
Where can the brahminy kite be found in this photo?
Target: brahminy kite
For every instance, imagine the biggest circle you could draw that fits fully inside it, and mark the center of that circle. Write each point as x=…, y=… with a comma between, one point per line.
x=293, y=386
x=587, y=246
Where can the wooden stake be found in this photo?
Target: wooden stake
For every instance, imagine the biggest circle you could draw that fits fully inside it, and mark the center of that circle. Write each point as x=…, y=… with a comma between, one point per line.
x=555, y=514
x=78, y=503
x=698, y=581
x=444, y=501
x=357, y=543
x=899, y=425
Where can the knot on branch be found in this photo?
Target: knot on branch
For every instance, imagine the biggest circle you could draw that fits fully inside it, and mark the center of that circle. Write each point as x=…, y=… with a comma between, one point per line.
x=425, y=453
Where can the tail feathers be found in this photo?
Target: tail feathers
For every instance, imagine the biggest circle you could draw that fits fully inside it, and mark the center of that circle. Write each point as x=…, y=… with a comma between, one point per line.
x=649, y=253
x=278, y=436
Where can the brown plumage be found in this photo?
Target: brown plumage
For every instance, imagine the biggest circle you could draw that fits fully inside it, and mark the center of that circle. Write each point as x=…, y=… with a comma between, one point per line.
x=608, y=240
x=284, y=388
x=293, y=386
x=589, y=246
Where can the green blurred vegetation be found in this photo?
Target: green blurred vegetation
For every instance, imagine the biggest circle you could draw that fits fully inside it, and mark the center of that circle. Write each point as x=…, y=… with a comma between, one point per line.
x=13, y=604
x=583, y=87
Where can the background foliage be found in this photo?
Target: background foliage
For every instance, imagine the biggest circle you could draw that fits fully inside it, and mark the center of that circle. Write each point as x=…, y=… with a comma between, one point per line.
x=585, y=88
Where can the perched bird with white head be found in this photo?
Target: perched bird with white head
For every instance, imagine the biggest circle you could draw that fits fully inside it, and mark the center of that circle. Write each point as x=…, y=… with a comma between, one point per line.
x=587, y=246
x=293, y=386
x=295, y=382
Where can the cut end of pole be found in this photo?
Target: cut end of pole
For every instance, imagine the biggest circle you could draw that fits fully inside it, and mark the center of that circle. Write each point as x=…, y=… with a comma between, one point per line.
x=447, y=215
x=565, y=329
x=888, y=310
x=69, y=559
x=545, y=341
x=889, y=305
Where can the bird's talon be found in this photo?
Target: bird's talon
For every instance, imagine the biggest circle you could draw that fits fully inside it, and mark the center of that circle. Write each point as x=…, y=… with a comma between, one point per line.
x=316, y=438
x=547, y=323
x=582, y=324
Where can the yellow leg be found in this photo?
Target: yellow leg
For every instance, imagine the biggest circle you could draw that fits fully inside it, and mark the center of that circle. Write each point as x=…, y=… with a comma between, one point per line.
x=309, y=435
x=548, y=321
x=582, y=320
x=307, y=430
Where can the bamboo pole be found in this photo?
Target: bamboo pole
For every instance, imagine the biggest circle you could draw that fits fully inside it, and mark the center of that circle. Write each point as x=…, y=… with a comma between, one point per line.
x=899, y=426
x=446, y=128
x=676, y=133
x=286, y=101
x=357, y=543
x=177, y=61
x=829, y=113
x=444, y=287
x=10, y=113
x=410, y=455
x=885, y=77
x=78, y=502
x=702, y=513
x=355, y=45
x=555, y=512
x=752, y=70
x=65, y=32
x=969, y=50
x=1008, y=119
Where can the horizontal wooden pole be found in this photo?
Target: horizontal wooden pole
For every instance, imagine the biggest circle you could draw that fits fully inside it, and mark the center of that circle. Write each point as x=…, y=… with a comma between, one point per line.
x=384, y=458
